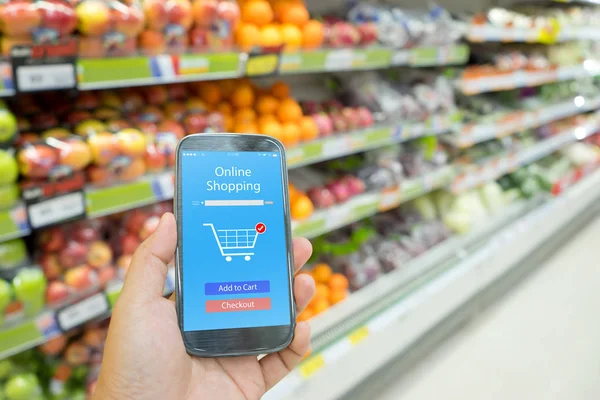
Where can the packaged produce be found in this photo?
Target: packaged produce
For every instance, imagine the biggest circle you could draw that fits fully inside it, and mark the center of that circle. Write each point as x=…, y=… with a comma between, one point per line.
x=108, y=27
x=167, y=25
x=215, y=24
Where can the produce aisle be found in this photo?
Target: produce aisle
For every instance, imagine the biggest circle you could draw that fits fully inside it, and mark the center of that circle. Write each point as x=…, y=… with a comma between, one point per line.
x=539, y=342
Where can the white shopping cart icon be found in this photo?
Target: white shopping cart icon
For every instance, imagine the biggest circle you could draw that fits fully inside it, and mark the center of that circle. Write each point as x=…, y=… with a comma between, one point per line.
x=235, y=242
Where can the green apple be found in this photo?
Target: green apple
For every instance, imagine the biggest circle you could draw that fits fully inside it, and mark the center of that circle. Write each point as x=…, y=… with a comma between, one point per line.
x=8, y=166
x=6, y=367
x=30, y=289
x=5, y=299
x=9, y=194
x=23, y=387
x=8, y=125
x=12, y=254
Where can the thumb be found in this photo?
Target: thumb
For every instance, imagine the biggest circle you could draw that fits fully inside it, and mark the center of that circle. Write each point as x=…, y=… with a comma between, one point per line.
x=145, y=279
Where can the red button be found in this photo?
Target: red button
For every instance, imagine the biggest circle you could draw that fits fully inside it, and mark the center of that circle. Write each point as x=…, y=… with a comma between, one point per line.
x=263, y=303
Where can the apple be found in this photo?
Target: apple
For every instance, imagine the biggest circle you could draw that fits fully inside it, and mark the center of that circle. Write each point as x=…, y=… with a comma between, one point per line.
x=339, y=190
x=131, y=142
x=23, y=386
x=80, y=278
x=324, y=124
x=195, y=123
x=148, y=127
x=75, y=153
x=196, y=105
x=57, y=293
x=104, y=148
x=351, y=117
x=99, y=255
x=179, y=12
x=9, y=195
x=58, y=15
x=30, y=288
x=85, y=232
x=43, y=121
x=129, y=244
x=93, y=17
x=87, y=101
x=215, y=122
x=77, y=354
x=135, y=220
x=77, y=116
x=172, y=127
x=8, y=126
x=13, y=253
x=128, y=20
x=365, y=117
x=5, y=299
x=343, y=34
x=90, y=127
x=73, y=254
x=200, y=38
x=36, y=161
x=54, y=346
x=94, y=337
x=175, y=110
x=19, y=18
x=149, y=227
x=156, y=14
x=156, y=95
x=154, y=159
x=104, y=113
x=354, y=185
x=204, y=12
x=339, y=122
x=152, y=42
x=151, y=114
x=52, y=239
x=51, y=266
x=132, y=100
x=368, y=33
x=7, y=367
x=116, y=125
x=100, y=176
x=229, y=11
x=321, y=197
x=133, y=171
x=106, y=274
x=9, y=168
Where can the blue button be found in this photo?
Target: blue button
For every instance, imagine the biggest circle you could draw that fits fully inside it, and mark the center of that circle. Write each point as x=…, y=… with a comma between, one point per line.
x=212, y=289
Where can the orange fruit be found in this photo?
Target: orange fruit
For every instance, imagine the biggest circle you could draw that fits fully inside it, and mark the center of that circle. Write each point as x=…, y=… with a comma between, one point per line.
x=312, y=34
x=245, y=114
x=242, y=96
x=266, y=104
x=263, y=119
x=228, y=85
x=258, y=12
x=337, y=296
x=338, y=283
x=280, y=90
x=280, y=7
x=293, y=192
x=290, y=134
x=322, y=272
x=224, y=108
x=270, y=36
x=289, y=111
x=228, y=122
x=320, y=306
x=308, y=129
x=210, y=92
x=245, y=127
x=291, y=36
x=247, y=36
x=321, y=292
x=295, y=13
x=302, y=208
x=305, y=315
x=271, y=128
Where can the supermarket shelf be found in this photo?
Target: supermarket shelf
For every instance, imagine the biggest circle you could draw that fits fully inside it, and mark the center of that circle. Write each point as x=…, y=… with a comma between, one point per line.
x=411, y=310
x=117, y=72
x=491, y=33
x=523, y=78
x=369, y=204
x=517, y=121
x=155, y=188
x=498, y=166
x=49, y=324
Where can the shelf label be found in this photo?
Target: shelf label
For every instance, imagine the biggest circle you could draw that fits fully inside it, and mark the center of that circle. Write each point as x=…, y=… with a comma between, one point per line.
x=339, y=60
x=57, y=209
x=82, y=311
x=358, y=335
x=309, y=367
x=549, y=33
x=45, y=67
x=263, y=63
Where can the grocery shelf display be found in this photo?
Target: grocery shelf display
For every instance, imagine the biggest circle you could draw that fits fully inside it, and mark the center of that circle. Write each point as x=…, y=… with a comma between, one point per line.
x=429, y=151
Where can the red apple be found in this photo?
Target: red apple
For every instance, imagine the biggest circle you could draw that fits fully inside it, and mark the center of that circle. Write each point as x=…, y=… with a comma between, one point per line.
x=180, y=13
x=106, y=274
x=58, y=15
x=321, y=197
x=154, y=159
x=85, y=233
x=129, y=244
x=339, y=122
x=135, y=220
x=80, y=278
x=228, y=11
x=73, y=254
x=36, y=161
x=156, y=95
x=204, y=12
x=56, y=293
x=324, y=124
x=351, y=117
x=172, y=127
x=354, y=185
x=99, y=255
x=368, y=33
x=128, y=20
x=156, y=14
x=51, y=266
x=19, y=18
x=339, y=190
x=195, y=123
x=365, y=117
x=52, y=239
x=54, y=346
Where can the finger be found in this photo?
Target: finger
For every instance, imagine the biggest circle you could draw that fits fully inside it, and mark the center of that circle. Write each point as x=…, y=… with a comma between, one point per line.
x=304, y=290
x=302, y=252
x=145, y=279
x=277, y=365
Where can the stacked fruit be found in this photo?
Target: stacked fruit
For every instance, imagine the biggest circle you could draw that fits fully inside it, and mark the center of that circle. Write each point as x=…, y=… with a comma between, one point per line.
x=167, y=26
x=108, y=27
x=332, y=116
x=9, y=190
x=22, y=288
x=75, y=259
x=301, y=207
x=331, y=289
x=277, y=23
x=336, y=191
x=215, y=22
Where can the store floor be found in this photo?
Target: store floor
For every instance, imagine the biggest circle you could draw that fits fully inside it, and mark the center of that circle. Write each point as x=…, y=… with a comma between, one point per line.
x=541, y=341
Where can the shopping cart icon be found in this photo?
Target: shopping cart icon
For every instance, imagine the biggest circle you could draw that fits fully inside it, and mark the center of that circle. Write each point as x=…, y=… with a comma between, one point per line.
x=235, y=242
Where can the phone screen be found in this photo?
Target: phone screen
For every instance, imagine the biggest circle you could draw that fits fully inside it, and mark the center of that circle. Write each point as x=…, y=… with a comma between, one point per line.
x=235, y=269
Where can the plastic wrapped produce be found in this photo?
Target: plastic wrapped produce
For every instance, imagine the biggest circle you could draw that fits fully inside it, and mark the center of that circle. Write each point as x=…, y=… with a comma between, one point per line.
x=167, y=26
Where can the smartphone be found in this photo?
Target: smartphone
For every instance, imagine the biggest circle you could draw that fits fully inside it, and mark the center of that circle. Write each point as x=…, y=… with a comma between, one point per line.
x=234, y=262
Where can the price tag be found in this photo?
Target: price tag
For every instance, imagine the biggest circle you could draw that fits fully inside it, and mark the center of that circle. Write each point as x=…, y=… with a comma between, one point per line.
x=339, y=60
x=358, y=335
x=57, y=209
x=45, y=67
x=262, y=64
x=401, y=57
x=309, y=367
x=83, y=311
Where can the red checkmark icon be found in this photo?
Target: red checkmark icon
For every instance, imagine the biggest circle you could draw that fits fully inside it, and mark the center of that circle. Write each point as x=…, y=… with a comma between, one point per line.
x=260, y=228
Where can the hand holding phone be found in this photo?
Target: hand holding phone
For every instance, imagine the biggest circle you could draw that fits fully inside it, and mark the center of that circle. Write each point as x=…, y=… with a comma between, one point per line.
x=234, y=254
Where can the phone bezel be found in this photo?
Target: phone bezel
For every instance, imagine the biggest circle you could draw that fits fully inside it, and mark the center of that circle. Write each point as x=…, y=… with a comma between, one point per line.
x=238, y=341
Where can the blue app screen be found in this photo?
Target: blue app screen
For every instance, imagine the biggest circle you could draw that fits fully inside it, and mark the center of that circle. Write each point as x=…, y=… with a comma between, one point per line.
x=235, y=271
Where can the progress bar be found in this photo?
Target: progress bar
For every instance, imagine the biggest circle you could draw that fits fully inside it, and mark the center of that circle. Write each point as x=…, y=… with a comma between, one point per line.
x=228, y=203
